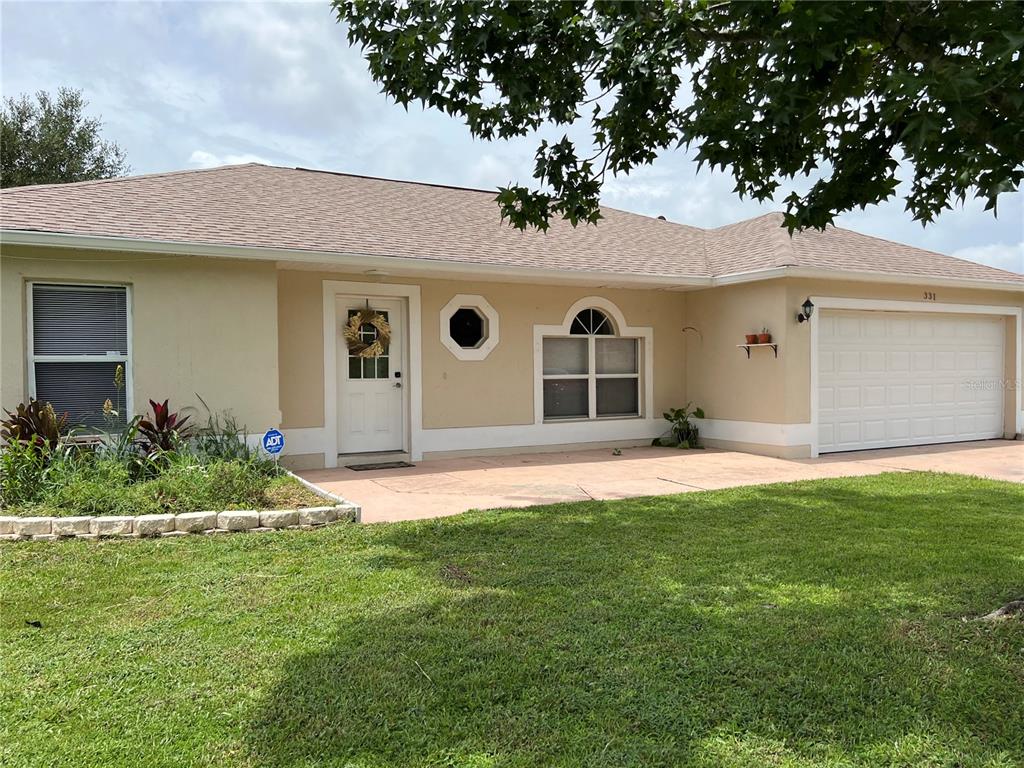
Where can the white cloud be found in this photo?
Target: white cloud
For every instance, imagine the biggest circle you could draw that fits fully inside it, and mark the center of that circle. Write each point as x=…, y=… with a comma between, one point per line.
x=1000, y=255
x=204, y=159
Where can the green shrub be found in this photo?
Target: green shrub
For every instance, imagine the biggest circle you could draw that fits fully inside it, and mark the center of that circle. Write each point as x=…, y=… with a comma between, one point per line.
x=214, y=468
x=22, y=469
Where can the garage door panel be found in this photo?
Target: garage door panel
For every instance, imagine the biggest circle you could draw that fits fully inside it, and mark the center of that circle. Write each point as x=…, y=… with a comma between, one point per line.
x=847, y=397
x=899, y=328
x=849, y=361
x=887, y=379
x=898, y=360
x=874, y=396
x=899, y=394
x=898, y=429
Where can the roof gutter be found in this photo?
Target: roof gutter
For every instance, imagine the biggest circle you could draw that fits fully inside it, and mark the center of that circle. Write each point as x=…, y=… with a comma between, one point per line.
x=350, y=260
x=820, y=273
x=378, y=265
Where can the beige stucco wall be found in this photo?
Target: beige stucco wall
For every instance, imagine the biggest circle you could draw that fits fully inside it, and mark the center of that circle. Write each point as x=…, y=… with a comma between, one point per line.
x=198, y=326
x=493, y=392
x=721, y=379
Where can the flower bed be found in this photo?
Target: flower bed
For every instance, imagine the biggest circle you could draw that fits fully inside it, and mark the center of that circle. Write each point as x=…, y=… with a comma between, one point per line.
x=153, y=476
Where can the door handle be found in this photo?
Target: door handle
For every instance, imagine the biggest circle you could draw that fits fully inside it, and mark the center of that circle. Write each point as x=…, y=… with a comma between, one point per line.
x=398, y=385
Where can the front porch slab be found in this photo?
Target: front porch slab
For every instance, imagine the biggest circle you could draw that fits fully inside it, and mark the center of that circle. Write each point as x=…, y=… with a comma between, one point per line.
x=450, y=486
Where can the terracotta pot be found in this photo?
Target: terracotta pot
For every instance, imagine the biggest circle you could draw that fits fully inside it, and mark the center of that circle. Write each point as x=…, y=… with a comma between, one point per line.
x=751, y=338
x=764, y=338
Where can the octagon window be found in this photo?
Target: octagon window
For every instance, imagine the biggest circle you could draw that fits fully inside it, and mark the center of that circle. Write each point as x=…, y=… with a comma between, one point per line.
x=469, y=327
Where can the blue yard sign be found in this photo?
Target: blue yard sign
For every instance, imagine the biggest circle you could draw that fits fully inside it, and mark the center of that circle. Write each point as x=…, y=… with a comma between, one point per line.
x=273, y=442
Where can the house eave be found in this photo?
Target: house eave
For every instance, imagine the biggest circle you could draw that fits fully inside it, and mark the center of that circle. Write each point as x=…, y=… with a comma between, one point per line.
x=353, y=263
x=376, y=265
x=864, y=276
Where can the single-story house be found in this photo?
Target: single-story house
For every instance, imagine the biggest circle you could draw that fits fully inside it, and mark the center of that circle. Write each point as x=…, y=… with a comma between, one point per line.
x=262, y=290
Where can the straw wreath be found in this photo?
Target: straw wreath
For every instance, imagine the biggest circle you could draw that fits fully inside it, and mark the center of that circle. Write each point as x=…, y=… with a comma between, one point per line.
x=356, y=345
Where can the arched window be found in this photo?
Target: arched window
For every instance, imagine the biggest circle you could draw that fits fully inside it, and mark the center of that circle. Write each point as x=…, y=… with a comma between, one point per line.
x=592, y=322
x=591, y=372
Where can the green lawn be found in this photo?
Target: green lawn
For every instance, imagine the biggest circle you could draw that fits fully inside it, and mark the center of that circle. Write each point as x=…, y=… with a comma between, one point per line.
x=811, y=624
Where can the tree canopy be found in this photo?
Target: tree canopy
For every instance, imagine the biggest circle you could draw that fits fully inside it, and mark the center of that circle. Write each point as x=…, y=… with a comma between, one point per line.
x=851, y=95
x=50, y=140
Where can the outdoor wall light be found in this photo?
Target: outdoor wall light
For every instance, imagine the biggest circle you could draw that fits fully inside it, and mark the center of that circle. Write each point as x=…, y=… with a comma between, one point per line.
x=808, y=310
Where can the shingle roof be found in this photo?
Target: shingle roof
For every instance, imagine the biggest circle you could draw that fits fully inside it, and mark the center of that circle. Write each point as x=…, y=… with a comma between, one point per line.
x=301, y=210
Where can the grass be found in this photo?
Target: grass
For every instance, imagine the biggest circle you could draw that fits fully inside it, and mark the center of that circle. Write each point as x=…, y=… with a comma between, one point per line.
x=809, y=624
x=97, y=486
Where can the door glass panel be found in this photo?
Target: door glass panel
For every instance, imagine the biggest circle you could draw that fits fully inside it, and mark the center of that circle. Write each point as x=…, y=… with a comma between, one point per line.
x=617, y=397
x=563, y=356
x=368, y=367
x=616, y=355
x=565, y=398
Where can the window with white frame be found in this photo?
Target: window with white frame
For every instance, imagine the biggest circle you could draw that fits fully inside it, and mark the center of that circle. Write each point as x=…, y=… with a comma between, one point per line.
x=469, y=327
x=591, y=373
x=78, y=336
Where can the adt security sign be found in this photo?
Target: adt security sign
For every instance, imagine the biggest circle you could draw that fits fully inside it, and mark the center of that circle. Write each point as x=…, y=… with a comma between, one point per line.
x=273, y=442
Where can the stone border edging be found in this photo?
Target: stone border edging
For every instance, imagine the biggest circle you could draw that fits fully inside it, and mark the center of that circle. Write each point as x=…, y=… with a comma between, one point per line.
x=14, y=528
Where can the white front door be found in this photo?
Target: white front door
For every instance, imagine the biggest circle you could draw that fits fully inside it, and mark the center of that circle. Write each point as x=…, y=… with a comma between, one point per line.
x=888, y=379
x=371, y=403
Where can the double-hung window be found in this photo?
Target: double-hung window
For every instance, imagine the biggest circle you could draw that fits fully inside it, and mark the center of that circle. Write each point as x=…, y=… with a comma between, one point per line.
x=78, y=336
x=592, y=373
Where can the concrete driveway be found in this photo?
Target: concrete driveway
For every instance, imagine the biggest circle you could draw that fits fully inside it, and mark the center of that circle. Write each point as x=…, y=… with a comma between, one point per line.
x=451, y=486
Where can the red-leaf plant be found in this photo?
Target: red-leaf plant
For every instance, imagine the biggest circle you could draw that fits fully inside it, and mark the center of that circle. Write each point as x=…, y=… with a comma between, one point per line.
x=164, y=429
x=35, y=424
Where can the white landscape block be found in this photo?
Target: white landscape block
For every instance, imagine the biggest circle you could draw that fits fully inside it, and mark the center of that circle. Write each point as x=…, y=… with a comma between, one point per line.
x=112, y=525
x=71, y=526
x=278, y=518
x=351, y=512
x=33, y=526
x=239, y=520
x=315, y=515
x=153, y=525
x=195, y=522
x=7, y=524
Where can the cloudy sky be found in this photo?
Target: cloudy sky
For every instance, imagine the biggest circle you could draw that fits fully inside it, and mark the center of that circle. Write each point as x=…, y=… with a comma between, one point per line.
x=191, y=84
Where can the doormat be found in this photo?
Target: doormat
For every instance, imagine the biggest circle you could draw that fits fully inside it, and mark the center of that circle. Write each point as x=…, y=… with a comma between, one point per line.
x=379, y=465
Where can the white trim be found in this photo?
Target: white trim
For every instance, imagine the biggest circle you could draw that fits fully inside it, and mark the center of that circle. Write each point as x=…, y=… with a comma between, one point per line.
x=491, y=326
x=309, y=440
x=31, y=358
x=412, y=365
x=890, y=305
x=644, y=333
x=859, y=276
x=528, y=435
x=760, y=432
x=426, y=267
x=303, y=440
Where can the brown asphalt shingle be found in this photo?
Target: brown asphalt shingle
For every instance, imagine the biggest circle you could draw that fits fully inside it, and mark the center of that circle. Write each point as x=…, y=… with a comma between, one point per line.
x=301, y=210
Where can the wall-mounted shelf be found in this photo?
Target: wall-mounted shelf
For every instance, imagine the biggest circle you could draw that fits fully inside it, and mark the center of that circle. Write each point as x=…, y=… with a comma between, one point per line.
x=748, y=347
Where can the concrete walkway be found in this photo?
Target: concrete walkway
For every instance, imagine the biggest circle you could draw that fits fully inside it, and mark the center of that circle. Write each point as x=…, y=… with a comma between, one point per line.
x=451, y=486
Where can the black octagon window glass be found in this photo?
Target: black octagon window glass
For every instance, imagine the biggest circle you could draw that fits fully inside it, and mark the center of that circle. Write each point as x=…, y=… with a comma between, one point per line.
x=467, y=328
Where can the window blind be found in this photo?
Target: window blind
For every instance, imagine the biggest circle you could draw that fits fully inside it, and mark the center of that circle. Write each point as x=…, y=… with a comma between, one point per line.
x=79, y=320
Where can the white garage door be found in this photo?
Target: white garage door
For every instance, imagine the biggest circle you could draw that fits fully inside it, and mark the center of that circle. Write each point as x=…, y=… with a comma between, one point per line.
x=896, y=378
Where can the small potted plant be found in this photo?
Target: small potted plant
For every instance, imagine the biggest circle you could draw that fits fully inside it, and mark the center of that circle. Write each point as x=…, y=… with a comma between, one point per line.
x=764, y=337
x=751, y=338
